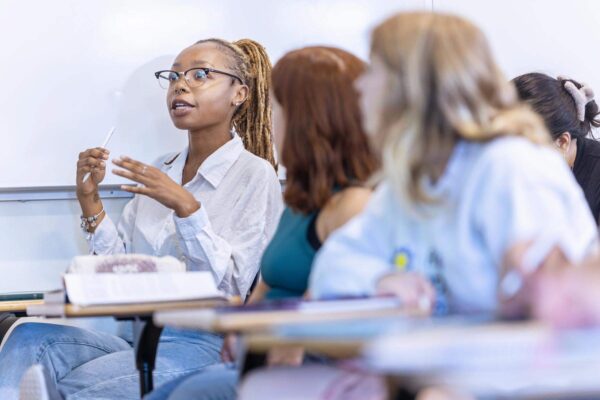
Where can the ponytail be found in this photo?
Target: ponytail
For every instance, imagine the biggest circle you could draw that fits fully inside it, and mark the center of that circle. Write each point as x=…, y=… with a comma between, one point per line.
x=565, y=104
x=252, y=119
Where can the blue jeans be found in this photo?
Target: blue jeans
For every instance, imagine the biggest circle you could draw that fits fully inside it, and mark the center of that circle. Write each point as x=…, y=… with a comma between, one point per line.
x=93, y=365
x=218, y=382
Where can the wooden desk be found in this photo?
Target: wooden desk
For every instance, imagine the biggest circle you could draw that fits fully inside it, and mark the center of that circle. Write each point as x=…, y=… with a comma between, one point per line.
x=10, y=311
x=516, y=360
x=334, y=348
x=524, y=360
x=146, y=333
x=123, y=311
x=520, y=360
x=18, y=306
x=18, y=302
x=337, y=339
x=248, y=319
x=258, y=324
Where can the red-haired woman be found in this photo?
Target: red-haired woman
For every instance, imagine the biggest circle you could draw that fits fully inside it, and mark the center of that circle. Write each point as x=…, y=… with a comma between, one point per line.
x=319, y=135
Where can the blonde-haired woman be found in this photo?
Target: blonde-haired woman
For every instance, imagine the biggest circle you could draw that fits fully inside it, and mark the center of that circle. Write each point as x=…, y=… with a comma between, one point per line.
x=475, y=204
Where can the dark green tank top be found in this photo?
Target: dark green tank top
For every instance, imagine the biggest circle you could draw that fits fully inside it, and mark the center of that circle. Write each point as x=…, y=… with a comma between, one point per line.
x=288, y=258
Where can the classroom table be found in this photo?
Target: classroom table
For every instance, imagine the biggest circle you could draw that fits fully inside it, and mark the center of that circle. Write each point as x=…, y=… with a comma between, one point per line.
x=18, y=307
x=343, y=339
x=357, y=335
x=146, y=333
x=524, y=360
x=260, y=320
x=267, y=315
x=13, y=306
x=478, y=355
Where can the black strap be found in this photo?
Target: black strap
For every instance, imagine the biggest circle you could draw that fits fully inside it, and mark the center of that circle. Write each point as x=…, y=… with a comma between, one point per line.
x=6, y=321
x=311, y=233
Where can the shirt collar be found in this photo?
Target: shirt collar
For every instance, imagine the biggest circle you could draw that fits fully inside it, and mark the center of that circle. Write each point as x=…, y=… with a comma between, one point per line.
x=215, y=167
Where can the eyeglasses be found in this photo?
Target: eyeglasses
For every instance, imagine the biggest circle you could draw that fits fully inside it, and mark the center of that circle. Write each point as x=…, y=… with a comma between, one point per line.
x=195, y=77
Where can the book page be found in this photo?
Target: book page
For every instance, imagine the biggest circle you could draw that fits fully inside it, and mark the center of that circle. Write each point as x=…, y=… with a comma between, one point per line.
x=151, y=287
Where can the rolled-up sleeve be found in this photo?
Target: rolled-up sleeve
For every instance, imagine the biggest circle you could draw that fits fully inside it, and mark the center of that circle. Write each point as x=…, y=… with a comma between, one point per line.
x=110, y=239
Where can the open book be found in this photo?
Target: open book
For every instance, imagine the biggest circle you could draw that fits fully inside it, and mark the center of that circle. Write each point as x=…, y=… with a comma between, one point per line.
x=134, y=279
x=124, y=263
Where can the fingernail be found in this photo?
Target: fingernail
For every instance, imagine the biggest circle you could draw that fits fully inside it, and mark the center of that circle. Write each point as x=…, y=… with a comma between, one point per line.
x=102, y=163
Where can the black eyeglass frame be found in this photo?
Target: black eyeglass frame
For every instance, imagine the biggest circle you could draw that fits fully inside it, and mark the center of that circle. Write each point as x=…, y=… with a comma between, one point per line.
x=183, y=74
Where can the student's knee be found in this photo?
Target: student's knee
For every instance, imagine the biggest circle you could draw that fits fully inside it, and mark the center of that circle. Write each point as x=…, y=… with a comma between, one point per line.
x=29, y=333
x=35, y=334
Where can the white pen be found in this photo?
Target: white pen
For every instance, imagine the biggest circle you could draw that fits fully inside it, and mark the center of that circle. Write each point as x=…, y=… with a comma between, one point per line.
x=110, y=133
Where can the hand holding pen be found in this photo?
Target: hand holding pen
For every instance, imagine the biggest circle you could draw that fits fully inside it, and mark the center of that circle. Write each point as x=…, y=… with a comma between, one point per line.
x=91, y=167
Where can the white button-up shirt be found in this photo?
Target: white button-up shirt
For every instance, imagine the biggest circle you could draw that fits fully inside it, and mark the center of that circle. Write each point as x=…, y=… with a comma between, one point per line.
x=240, y=204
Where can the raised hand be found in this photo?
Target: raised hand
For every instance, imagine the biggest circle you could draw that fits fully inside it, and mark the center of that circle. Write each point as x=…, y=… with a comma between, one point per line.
x=91, y=161
x=156, y=184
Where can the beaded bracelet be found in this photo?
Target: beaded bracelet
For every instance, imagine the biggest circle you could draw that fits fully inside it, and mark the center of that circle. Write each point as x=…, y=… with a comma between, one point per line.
x=90, y=222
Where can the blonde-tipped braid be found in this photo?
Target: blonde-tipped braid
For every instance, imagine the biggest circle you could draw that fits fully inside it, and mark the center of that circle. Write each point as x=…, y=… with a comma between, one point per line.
x=252, y=119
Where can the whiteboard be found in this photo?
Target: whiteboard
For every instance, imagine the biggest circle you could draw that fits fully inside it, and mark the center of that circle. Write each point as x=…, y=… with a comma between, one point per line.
x=555, y=37
x=72, y=69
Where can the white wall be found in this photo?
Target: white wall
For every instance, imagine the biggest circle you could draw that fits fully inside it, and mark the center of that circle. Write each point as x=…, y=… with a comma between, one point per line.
x=45, y=119
x=72, y=69
x=37, y=239
x=556, y=37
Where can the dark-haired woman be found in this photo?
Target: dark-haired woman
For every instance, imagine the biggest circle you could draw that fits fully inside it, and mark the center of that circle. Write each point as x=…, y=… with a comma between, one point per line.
x=570, y=112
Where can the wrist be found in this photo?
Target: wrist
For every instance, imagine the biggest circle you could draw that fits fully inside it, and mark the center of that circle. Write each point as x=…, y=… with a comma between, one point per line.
x=89, y=223
x=90, y=197
x=187, y=208
x=90, y=204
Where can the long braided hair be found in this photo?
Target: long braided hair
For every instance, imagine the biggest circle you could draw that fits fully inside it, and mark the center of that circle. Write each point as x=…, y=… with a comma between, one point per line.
x=252, y=118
